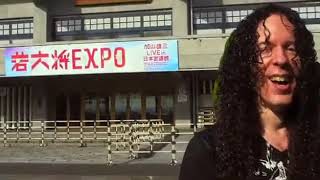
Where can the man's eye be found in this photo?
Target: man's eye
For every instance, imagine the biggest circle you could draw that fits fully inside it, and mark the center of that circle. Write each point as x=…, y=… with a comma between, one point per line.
x=291, y=48
x=265, y=50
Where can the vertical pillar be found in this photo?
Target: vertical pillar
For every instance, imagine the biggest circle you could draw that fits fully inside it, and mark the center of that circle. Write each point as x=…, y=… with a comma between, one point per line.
x=113, y=107
x=195, y=92
x=68, y=116
x=40, y=25
x=180, y=18
x=97, y=119
x=2, y=103
x=8, y=109
x=25, y=107
x=13, y=115
x=30, y=112
x=143, y=106
x=82, y=119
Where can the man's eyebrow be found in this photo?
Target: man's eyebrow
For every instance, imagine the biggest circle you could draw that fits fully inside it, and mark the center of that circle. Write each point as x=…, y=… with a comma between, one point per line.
x=290, y=42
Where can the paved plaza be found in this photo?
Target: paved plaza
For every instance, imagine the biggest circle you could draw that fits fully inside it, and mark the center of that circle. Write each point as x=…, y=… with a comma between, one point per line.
x=70, y=161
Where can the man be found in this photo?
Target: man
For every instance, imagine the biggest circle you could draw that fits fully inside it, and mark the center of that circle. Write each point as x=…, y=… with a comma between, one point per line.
x=267, y=113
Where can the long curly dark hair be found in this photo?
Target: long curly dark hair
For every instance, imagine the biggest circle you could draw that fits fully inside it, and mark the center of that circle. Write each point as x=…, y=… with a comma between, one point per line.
x=238, y=124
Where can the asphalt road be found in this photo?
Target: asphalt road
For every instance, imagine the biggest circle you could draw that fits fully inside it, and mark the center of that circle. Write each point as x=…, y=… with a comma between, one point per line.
x=37, y=171
x=71, y=162
x=89, y=169
x=73, y=177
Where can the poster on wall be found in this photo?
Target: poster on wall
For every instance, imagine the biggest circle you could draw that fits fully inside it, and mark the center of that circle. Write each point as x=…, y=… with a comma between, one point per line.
x=113, y=57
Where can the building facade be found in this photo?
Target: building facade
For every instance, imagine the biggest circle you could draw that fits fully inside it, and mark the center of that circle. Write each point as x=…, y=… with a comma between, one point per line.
x=73, y=60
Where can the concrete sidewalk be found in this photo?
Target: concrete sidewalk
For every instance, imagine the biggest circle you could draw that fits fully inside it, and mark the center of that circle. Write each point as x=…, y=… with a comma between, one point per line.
x=91, y=160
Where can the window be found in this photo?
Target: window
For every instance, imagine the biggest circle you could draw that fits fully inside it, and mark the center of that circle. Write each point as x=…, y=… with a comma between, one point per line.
x=4, y=29
x=135, y=106
x=226, y=18
x=97, y=107
x=68, y=25
x=91, y=24
x=308, y=12
x=206, y=86
x=16, y=29
x=152, y=107
x=157, y=20
x=126, y=22
x=236, y=16
x=208, y=17
x=21, y=28
x=113, y=25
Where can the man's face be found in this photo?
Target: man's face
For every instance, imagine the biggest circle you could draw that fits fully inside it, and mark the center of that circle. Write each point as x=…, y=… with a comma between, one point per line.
x=280, y=64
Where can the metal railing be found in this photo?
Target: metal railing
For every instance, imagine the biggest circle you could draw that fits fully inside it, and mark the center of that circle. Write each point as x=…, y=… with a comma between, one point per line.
x=127, y=137
x=206, y=115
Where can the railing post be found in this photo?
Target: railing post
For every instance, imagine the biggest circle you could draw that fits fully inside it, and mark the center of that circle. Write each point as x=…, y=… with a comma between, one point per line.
x=109, y=160
x=151, y=136
x=5, y=142
x=29, y=131
x=55, y=130
x=173, y=146
x=68, y=130
x=82, y=144
x=117, y=137
x=131, y=154
x=123, y=131
x=18, y=128
x=162, y=128
x=137, y=135
x=42, y=144
x=95, y=129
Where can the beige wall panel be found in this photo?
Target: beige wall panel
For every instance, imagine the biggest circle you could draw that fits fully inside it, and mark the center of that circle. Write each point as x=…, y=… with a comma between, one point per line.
x=40, y=25
x=199, y=61
x=202, y=45
x=203, y=53
x=180, y=18
x=156, y=4
x=62, y=7
x=16, y=42
x=16, y=10
x=4, y=11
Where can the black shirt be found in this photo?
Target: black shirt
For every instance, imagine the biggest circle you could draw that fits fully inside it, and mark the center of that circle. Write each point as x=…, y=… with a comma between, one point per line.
x=199, y=159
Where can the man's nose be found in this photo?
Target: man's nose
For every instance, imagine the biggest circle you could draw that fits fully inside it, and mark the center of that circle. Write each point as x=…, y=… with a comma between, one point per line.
x=280, y=56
